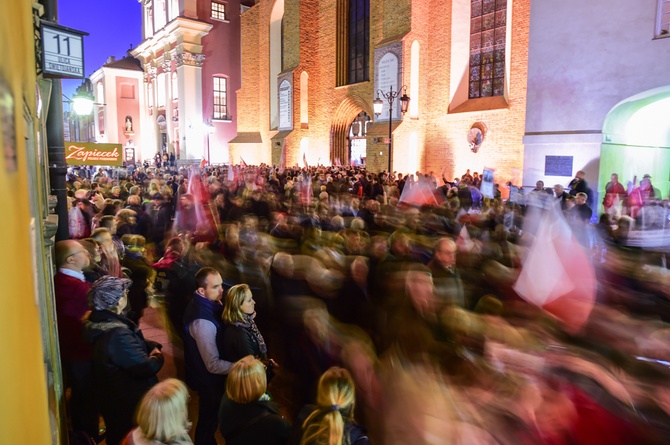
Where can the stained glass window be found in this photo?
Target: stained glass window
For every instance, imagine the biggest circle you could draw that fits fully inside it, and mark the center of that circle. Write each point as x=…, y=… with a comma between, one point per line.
x=488, y=27
x=359, y=40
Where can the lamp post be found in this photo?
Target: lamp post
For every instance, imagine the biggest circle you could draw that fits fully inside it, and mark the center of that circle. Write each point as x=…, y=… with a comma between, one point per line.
x=378, y=104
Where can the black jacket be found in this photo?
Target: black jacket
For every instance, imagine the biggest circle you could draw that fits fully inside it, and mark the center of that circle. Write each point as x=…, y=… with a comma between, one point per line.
x=122, y=368
x=236, y=342
x=257, y=423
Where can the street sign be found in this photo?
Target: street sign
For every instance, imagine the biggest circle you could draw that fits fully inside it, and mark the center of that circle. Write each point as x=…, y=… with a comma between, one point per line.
x=86, y=153
x=62, y=51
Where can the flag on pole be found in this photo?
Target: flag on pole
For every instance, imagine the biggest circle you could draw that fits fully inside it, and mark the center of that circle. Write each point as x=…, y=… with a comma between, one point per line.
x=242, y=163
x=557, y=274
x=304, y=159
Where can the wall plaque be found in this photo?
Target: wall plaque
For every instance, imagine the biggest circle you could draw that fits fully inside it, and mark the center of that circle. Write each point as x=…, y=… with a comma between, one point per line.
x=285, y=105
x=388, y=69
x=558, y=166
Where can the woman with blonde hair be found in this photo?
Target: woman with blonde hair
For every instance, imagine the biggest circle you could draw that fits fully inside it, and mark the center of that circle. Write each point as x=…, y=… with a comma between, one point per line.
x=247, y=416
x=240, y=336
x=162, y=416
x=331, y=421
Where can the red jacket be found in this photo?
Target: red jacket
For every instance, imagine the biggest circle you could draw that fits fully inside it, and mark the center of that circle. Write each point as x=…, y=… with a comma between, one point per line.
x=71, y=306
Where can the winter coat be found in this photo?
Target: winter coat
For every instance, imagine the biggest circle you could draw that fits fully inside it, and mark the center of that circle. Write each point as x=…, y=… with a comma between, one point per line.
x=257, y=423
x=123, y=370
x=236, y=342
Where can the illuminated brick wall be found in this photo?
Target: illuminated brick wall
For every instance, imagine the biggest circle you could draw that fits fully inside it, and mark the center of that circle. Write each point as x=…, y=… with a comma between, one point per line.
x=436, y=139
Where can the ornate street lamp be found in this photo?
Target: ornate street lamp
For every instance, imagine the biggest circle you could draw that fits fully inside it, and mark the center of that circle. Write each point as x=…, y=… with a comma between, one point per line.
x=82, y=104
x=378, y=104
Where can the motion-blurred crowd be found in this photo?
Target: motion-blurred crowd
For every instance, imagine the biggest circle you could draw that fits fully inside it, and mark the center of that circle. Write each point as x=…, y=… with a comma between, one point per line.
x=443, y=312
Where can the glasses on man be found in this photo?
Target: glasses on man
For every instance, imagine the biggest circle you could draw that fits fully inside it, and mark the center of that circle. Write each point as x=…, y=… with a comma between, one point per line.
x=77, y=252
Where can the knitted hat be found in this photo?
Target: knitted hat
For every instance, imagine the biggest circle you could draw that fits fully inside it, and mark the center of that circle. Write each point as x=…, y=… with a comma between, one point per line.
x=106, y=292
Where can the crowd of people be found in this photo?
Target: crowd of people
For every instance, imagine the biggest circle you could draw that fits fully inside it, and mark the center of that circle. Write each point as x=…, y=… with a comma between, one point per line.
x=392, y=308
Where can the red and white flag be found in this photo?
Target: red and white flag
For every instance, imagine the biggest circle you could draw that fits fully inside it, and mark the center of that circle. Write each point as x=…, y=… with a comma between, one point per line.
x=557, y=274
x=304, y=160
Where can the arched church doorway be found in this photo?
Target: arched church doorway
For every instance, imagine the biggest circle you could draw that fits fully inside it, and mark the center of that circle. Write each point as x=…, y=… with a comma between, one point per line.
x=358, y=139
x=344, y=126
x=636, y=141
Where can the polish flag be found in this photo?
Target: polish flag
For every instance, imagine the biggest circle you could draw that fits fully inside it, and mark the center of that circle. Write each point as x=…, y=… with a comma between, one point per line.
x=242, y=163
x=557, y=274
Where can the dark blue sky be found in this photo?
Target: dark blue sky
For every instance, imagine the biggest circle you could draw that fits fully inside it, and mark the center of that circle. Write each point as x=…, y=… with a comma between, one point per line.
x=113, y=26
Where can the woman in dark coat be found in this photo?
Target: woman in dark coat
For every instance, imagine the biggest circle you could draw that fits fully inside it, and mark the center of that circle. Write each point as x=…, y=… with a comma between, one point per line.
x=124, y=363
x=247, y=416
x=240, y=335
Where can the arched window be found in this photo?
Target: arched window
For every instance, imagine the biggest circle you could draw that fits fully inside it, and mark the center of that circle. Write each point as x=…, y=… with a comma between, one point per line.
x=99, y=93
x=353, y=41
x=488, y=30
x=304, y=99
x=359, y=40
x=220, y=98
x=414, y=80
x=276, y=57
x=160, y=90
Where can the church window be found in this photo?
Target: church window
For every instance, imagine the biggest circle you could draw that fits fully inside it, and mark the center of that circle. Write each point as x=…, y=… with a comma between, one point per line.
x=488, y=27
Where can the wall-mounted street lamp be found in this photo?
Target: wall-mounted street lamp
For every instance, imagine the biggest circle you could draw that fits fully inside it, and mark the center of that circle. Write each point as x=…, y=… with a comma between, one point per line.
x=378, y=104
x=83, y=101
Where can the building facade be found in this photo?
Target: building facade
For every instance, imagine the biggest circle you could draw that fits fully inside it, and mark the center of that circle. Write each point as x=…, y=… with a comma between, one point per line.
x=311, y=70
x=32, y=395
x=118, y=112
x=598, y=92
x=191, y=58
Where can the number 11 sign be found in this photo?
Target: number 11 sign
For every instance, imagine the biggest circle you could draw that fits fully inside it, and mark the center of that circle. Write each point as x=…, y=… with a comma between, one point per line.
x=62, y=51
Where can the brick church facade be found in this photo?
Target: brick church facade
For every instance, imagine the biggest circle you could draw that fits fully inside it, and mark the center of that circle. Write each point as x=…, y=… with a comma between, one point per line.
x=312, y=68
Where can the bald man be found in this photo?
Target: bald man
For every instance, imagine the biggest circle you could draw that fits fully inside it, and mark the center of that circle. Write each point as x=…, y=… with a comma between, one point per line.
x=71, y=288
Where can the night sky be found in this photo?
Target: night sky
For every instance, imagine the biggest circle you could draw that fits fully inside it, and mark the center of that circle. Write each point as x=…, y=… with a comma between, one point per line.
x=113, y=26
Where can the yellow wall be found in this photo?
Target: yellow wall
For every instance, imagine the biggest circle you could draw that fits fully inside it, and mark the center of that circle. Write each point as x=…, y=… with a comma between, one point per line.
x=23, y=393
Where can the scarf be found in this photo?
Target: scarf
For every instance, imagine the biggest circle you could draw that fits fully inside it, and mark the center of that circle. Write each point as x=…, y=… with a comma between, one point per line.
x=250, y=325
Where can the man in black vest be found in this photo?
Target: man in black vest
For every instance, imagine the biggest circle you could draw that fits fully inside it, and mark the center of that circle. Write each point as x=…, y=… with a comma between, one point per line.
x=205, y=370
